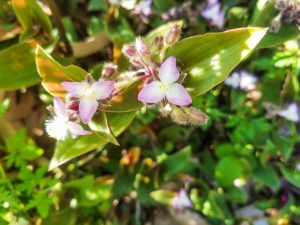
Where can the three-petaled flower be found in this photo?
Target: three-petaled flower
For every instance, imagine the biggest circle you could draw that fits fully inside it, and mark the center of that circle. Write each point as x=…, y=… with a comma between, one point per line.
x=89, y=94
x=60, y=127
x=166, y=87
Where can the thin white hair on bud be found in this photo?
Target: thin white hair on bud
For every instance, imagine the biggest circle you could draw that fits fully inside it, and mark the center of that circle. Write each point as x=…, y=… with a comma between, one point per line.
x=196, y=117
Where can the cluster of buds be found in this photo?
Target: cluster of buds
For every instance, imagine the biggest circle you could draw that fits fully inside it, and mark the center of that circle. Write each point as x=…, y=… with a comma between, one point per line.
x=289, y=12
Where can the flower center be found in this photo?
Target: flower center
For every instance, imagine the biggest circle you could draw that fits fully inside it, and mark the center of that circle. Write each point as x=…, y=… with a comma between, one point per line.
x=163, y=86
x=89, y=93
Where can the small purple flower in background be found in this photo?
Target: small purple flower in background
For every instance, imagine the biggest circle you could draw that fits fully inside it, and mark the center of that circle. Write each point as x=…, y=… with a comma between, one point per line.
x=291, y=112
x=214, y=14
x=60, y=127
x=89, y=94
x=243, y=80
x=181, y=200
x=143, y=9
x=166, y=87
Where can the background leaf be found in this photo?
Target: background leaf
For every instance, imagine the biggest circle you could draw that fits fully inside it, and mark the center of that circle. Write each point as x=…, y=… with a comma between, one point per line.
x=208, y=59
x=17, y=66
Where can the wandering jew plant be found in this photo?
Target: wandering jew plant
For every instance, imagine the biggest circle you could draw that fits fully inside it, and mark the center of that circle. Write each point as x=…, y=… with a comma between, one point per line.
x=162, y=72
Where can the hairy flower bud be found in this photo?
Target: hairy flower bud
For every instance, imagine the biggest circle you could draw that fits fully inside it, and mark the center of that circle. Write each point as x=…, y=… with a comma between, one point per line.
x=196, y=117
x=179, y=116
x=173, y=35
x=159, y=42
x=141, y=47
x=129, y=51
x=108, y=70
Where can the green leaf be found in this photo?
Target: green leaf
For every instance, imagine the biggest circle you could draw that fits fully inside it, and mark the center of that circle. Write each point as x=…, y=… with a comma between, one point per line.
x=228, y=169
x=126, y=100
x=53, y=74
x=30, y=15
x=286, y=32
x=267, y=175
x=163, y=196
x=72, y=148
x=178, y=162
x=208, y=59
x=291, y=176
x=100, y=126
x=17, y=66
x=163, y=6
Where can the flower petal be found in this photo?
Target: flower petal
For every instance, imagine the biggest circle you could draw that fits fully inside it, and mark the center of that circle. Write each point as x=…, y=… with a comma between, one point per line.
x=290, y=113
x=168, y=72
x=60, y=108
x=103, y=89
x=75, y=88
x=87, y=108
x=76, y=129
x=177, y=95
x=151, y=93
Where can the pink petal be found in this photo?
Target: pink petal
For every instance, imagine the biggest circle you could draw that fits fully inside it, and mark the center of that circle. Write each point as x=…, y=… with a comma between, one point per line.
x=151, y=93
x=75, y=88
x=87, y=108
x=168, y=72
x=177, y=95
x=76, y=129
x=103, y=89
x=60, y=108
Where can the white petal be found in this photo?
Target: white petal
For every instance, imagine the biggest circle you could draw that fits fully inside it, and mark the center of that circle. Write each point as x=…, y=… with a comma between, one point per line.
x=168, y=72
x=177, y=95
x=152, y=93
x=87, y=108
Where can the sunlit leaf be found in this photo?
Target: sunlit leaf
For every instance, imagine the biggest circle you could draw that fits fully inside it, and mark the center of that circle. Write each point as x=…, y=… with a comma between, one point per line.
x=287, y=32
x=71, y=148
x=17, y=66
x=163, y=196
x=208, y=59
x=100, y=126
x=53, y=74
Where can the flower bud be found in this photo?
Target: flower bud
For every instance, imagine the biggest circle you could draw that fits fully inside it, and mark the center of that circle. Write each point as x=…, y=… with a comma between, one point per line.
x=108, y=70
x=141, y=47
x=173, y=35
x=179, y=116
x=129, y=51
x=159, y=42
x=196, y=117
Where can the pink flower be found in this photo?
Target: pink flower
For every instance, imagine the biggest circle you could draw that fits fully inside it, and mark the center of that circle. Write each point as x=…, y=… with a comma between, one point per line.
x=167, y=87
x=182, y=200
x=89, y=94
x=214, y=13
x=60, y=126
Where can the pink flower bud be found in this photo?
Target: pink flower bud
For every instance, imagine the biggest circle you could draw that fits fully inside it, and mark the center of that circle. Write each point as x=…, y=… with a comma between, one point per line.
x=173, y=35
x=159, y=42
x=108, y=70
x=129, y=51
x=141, y=47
